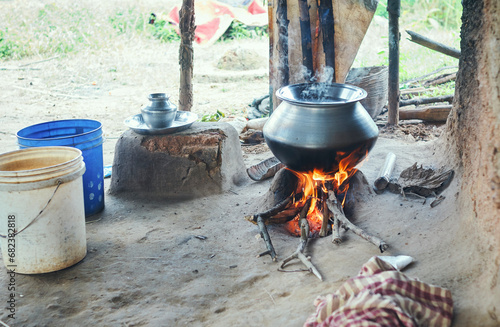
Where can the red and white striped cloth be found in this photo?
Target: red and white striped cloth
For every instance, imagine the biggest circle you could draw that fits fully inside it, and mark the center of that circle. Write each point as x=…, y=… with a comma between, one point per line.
x=382, y=296
x=212, y=18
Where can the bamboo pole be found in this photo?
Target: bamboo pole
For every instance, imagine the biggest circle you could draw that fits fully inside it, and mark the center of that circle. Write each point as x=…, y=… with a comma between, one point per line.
x=393, y=7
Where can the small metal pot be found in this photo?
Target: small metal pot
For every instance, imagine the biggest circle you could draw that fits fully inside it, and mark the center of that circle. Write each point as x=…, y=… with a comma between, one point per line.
x=160, y=113
x=319, y=124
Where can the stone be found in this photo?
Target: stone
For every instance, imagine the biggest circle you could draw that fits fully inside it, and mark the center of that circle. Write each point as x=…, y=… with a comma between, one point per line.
x=202, y=160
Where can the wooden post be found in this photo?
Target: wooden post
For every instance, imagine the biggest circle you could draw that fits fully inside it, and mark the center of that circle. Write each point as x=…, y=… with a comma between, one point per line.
x=327, y=24
x=187, y=27
x=270, y=25
x=393, y=7
x=306, y=40
x=282, y=23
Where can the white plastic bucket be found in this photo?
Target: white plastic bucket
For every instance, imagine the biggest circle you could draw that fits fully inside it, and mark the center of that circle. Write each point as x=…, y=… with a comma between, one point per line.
x=42, y=217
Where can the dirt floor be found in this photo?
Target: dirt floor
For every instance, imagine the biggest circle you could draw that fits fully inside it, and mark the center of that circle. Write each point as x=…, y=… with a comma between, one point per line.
x=145, y=264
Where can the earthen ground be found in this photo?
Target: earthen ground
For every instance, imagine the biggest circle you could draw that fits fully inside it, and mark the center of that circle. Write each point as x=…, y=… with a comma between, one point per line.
x=146, y=264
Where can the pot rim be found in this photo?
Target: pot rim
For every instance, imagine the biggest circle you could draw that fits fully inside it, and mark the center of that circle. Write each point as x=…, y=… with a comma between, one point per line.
x=286, y=94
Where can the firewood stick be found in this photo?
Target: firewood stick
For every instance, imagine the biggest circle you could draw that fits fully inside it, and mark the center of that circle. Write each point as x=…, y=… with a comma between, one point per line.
x=336, y=231
x=384, y=176
x=337, y=210
x=417, y=101
x=265, y=235
x=420, y=78
x=437, y=113
x=325, y=213
x=441, y=79
x=304, y=225
x=304, y=238
x=433, y=45
x=271, y=212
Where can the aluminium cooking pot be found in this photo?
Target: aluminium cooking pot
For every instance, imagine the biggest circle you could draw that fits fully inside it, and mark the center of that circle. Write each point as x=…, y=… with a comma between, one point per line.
x=318, y=125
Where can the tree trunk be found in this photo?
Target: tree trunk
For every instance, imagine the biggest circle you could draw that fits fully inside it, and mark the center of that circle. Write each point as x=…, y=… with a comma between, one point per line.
x=473, y=129
x=187, y=27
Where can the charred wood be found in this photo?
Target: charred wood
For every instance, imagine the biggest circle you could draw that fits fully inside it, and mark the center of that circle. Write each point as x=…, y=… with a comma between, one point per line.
x=327, y=25
x=306, y=39
x=282, y=23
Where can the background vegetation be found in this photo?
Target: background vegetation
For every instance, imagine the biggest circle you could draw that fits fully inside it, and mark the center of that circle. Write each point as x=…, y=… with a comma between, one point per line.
x=56, y=29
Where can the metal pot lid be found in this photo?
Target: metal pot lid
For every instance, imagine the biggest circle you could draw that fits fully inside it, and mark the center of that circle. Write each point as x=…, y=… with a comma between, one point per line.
x=321, y=94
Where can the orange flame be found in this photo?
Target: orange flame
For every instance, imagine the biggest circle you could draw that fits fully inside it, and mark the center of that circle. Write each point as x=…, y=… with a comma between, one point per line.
x=312, y=183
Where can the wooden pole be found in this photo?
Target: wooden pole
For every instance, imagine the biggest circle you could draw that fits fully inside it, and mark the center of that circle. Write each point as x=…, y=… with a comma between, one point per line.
x=327, y=25
x=433, y=45
x=282, y=23
x=187, y=27
x=306, y=40
x=270, y=24
x=393, y=7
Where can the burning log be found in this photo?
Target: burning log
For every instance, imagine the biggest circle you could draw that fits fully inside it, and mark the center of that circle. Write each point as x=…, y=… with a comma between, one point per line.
x=308, y=206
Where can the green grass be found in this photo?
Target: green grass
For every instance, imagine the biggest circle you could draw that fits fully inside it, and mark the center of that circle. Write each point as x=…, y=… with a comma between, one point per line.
x=439, y=20
x=444, y=14
x=239, y=31
x=62, y=28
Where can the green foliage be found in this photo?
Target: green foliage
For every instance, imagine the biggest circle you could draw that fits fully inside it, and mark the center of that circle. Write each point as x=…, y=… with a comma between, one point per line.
x=382, y=9
x=213, y=117
x=127, y=21
x=239, y=31
x=7, y=47
x=164, y=31
x=427, y=13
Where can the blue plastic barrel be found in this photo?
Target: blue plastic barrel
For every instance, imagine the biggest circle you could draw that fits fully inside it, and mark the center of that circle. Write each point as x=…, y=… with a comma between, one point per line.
x=84, y=134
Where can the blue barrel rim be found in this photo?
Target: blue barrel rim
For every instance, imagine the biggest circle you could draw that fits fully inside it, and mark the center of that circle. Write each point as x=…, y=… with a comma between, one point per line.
x=85, y=135
x=58, y=138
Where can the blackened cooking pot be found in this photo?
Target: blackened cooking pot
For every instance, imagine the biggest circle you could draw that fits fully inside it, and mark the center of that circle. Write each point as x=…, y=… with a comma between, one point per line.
x=319, y=124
